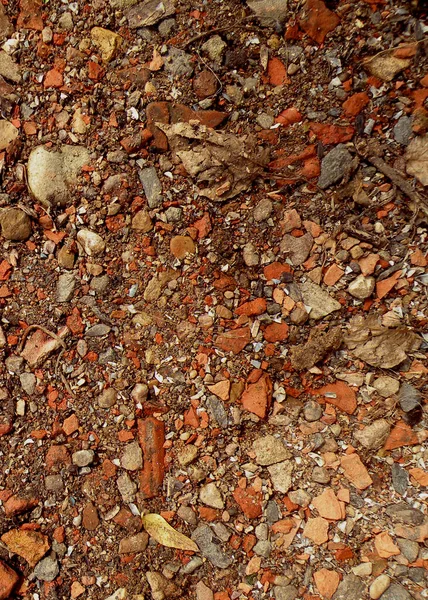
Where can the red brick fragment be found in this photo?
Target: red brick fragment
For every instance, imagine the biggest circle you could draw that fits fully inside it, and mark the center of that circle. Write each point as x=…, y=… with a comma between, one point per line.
x=317, y=20
x=250, y=501
x=257, y=397
x=151, y=436
x=289, y=116
x=17, y=505
x=401, y=435
x=8, y=580
x=277, y=72
x=254, y=307
x=234, y=340
x=276, y=332
x=339, y=394
x=355, y=104
x=332, y=134
x=30, y=16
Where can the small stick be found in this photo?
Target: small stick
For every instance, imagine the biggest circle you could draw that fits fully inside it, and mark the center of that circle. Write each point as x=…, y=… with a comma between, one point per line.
x=42, y=328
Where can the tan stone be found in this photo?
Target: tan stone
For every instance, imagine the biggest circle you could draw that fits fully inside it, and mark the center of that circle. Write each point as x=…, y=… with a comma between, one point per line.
x=107, y=42
x=316, y=530
x=355, y=471
x=181, y=246
x=384, y=545
x=326, y=582
x=30, y=545
x=220, y=389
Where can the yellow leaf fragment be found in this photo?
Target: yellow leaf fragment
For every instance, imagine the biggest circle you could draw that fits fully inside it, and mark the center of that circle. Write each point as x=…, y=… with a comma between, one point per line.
x=164, y=534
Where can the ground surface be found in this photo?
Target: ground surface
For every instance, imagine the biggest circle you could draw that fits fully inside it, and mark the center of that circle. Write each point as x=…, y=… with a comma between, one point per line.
x=226, y=330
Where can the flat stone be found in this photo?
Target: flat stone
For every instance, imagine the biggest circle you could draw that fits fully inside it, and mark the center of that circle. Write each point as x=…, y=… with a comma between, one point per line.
x=127, y=488
x=28, y=382
x=375, y=435
x=187, y=455
x=65, y=287
x=52, y=175
x=408, y=549
x=263, y=210
x=8, y=68
x=280, y=474
x=404, y=513
x=181, y=246
x=362, y=287
x=47, y=569
x=15, y=225
x=217, y=411
x=320, y=301
x=351, y=586
x=285, y=592
x=107, y=42
x=132, y=457
x=83, y=458
x=210, y=495
x=98, y=330
x=379, y=586
x=152, y=186
x=386, y=386
x=8, y=134
x=355, y=471
x=400, y=479
x=90, y=519
x=204, y=537
x=409, y=397
x=316, y=530
x=214, y=47
x=334, y=166
x=395, y=592
x=328, y=505
x=31, y=545
x=134, y=543
x=297, y=249
x=142, y=222
x=312, y=411
x=320, y=475
x=6, y=28
x=147, y=12
x=107, y=398
x=403, y=130
x=8, y=580
x=178, y=63
x=270, y=450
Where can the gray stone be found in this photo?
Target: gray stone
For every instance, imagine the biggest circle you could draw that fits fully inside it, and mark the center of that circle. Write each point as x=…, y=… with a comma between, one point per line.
x=192, y=565
x=265, y=121
x=100, y=284
x=214, y=47
x=178, y=63
x=418, y=575
x=386, y=386
x=15, y=225
x=404, y=513
x=297, y=249
x=286, y=592
x=8, y=68
x=312, y=411
x=221, y=531
x=403, y=130
x=263, y=548
x=263, y=210
x=187, y=514
x=362, y=287
x=83, y=458
x=334, y=166
x=280, y=474
x=210, y=495
x=408, y=548
x=28, y=382
x=174, y=214
x=65, y=287
x=92, y=243
x=273, y=514
x=320, y=301
x=351, y=586
x=139, y=393
x=98, y=330
x=262, y=531
x=320, y=475
x=147, y=12
x=65, y=22
x=373, y=436
x=270, y=450
x=204, y=537
x=269, y=12
x=54, y=483
x=132, y=457
x=409, y=398
x=394, y=592
x=126, y=487
x=47, y=569
x=300, y=497
x=165, y=27
x=52, y=175
x=107, y=398
x=217, y=411
x=152, y=186
x=400, y=479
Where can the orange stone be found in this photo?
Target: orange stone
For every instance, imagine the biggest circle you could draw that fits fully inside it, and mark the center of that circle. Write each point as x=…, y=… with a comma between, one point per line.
x=254, y=307
x=385, y=286
x=355, y=471
x=221, y=389
x=30, y=545
x=8, y=580
x=332, y=134
x=250, y=501
x=151, y=436
x=291, y=221
x=257, y=397
x=328, y=505
x=326, y=582
x=401, y=435
x=234, y=340
x=17, y=505
x=418, y=258
x=316, y=530
x=333, y=274
x=277, y=72
x=181, y=246
x=340, y=395
x=289, y=116
x=53, y=79
x=276, y=332
x=368, y=264
x=70, y=425
x=384, y=545
x=275, y=270
x=317, y=20
x=355, y=104
x=420, y=475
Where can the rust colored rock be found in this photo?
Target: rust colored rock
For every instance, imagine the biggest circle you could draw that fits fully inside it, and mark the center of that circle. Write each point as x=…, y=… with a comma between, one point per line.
x=17, y=505
x=137, y=75
x=31, y=545
x=8, y=580
x=277, y=72
x=151, y=436
x=355, y=104
x=234, y=340
x=254, y=307
x=317, y=20
x=276, y=332
x=90, y=519
x=257, y=398
x=57, y=457
x=332, y=134
x=340, y=395
x=250, y=501
x=355, y=471
x=401, y=435
x=205, y=84
x=30, y=16
x=157, y=112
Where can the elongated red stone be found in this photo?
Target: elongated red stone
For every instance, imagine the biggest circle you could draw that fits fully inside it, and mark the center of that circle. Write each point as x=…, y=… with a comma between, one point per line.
x=151, y=436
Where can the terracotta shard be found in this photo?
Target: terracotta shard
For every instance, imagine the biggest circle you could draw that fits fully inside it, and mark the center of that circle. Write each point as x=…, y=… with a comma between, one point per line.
x=151, y=436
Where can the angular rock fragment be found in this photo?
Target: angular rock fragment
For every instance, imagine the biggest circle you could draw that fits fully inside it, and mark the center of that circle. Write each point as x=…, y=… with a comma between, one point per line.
x=8, y=134
x=318, y=300
x=151, y=435
x=375, y=435
x=411, y=402
x=149, y=12
x=106, y=41
x=334, y=166
x=31, y=545
x=297, y=249
x=210, y=548
x=319, y=344
x=270, y=450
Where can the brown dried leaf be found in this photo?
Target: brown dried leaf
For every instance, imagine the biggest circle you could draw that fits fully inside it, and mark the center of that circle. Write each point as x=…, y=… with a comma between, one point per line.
x=417, y=158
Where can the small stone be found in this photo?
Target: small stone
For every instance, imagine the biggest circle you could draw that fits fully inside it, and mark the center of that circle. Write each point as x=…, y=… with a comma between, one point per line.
x=54, y=483
x=319, y=301
x=100, y=284
x=181, y=246
x=355, y=471
x=263, y=210
x=187, y=455
x=98, y=330
x=203, y=592
x=286, y=592
x=328, y=505
x=257, y=397
x=270, y=450
x=297, y=249
x=65, y=287
x=160, y=586
x=395, y=592
x=8, y=68
x=300, y=497
x=15, y=225
x=363, y=569
x=410, y=398
x=142, y=222
x=31, y=545
x=204, y=537
x=404, y=513
x=400, y=479
x=326, y=582
x=312, y=411
x=334, y=166
x=384, y=545
x=93, y=244
x=178, y=63
x=83, y=458
x=205, y=84
x=66, y=257
x=132, y=457
x=134, y=543
x=249, y=500
x=362, y=287
x=250, y=255
x=8, y=134
x=65, y=22
x=90, y=519
x=386, y=386
x=320, y=475
x=375, y=435
x=47, y=569
x=408, y=549
x=351, y=586
x=214, y=47
x=280, y=474
x=28, y=383
x=152, y=186
x=8, y=580
x=106, y=41
x=263, y=548
x=139, y=393
x=127, y=488
x=403, y=130
x=316, y=530
x=210, y=495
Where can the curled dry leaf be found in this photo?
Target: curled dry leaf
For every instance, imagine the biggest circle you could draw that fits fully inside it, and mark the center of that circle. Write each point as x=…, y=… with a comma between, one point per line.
x=164, y=534
x=417, y=158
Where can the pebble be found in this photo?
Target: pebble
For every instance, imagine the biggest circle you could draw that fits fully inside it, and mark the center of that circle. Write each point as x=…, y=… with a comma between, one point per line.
x=142, y=222
x=297, y=249
x=8, y=68
x=83, y=458
x=204, y=537
x=127, y=488
x=203, y=592
x=351, y=586
x=379, y=586
x=54, y=483
x=65, y=287
x=320, y=475
x=396, y=592
x=400, y=479
x=90, y=519
x=178, y=63
x=181, y=246
x=409, y=397
x=66, y=257
x=98, y=330
x=363, y=569
x=100, y=284
x=270, y=450
x=386, y=386
x=107, y=398
x=28, y=383
x=403, y=130
x=210, y=495
x=160, y=586
x=132, y=457
x=214, y=47
x=373, y=436
x=334, y=166
x=263, y=548
x=47, y=569
x=92, y=243
x=107, y=42
x=287, y=592
x=320, y=301
x=139, y=393
x=312, y=411
x=152, y=186
x=15, y=225
x=187, y=514
x=362, y=287
x=280, y=474
x=263, y=210
x=250, y=255
x=134, y=543
x=300, y=497
x=408, y=549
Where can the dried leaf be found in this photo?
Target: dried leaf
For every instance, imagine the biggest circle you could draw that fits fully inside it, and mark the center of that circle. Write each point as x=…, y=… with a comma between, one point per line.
x=417, y=158
x=164, y=534
x=379, y=346
x=229, y=162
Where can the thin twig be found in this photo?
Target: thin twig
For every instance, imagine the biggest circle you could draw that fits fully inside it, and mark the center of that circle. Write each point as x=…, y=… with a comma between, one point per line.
x=31, y=328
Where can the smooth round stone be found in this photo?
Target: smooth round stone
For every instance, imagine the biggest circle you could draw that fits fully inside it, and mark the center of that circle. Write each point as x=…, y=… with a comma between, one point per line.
x=15, y=225
x=92, y=243
x=107, y=398
x=362, y=287
x=379, y=586
x=181, y=246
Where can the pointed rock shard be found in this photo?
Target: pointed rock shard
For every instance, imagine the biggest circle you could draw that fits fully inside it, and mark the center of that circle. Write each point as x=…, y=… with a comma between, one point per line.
x=340, y=395
x=316, y=530
x=318, y=300
x=385, y=66
x=355, y=471
x=328, y=505
x=30, y=545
